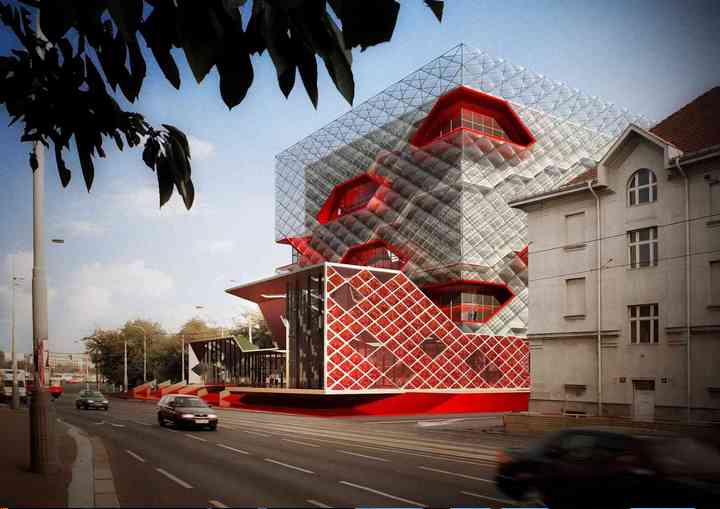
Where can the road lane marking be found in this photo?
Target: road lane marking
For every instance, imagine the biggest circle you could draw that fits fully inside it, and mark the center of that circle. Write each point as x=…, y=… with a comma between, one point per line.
x=316, y=503
x=232, y=449
x=388, y=495
x=173, y=478
x=196, y=438
x=289, y=466
x=216, y=503
x=501, y=500
x=257, y=433
x=300, y=443
x=142, y=423
x=98, y=423
x=117, y=425
x=137, y=457
x=225, y=427
x=457, y=474
x=171, y=430
x=362, y=455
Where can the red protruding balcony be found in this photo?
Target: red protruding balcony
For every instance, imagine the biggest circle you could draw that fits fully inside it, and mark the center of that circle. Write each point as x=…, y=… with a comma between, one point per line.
x=468, y=109
x=469, y=300
x=350, y=196
x=376, y=253
x=308, y=255
x=523, y=255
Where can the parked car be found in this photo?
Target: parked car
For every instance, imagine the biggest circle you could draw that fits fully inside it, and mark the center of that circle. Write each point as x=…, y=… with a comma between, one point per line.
x=597, y=468
x=186, y=411
x=91, y=399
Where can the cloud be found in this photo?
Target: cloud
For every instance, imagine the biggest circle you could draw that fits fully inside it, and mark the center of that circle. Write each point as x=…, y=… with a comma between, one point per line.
x=144, y=201
x=217, y=247
x=200, y=150
x=82, y=229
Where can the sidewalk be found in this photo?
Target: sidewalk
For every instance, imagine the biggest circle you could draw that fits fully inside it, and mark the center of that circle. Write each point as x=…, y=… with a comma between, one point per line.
x=19, y=486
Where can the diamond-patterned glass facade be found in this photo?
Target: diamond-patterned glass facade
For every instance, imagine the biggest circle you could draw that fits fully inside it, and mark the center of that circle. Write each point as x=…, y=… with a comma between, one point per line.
x=384, y=333
x=443, y=206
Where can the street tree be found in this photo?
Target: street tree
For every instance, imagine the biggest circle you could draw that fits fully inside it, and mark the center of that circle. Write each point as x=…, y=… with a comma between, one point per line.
x=63, y=82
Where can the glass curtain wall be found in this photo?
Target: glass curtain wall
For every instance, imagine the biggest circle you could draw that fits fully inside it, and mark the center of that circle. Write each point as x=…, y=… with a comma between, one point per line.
x=306, y=317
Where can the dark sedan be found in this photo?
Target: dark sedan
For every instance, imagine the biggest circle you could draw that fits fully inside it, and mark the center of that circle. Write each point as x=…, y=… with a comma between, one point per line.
x=88, y=400
x=607, y=469
x=186, y=411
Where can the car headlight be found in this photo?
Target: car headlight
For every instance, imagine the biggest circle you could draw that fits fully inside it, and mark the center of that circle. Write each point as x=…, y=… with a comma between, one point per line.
x=90, y=401
x=105, y=402
x=187, y=416
x=212, y=416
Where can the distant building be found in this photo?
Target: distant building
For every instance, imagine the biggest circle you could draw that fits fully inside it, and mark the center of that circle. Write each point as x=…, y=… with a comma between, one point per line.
x=70, y=365
x=631, y=321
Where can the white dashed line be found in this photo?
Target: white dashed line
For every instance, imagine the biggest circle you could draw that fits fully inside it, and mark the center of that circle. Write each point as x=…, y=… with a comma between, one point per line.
x=142, y=423
x=225, y=427
x=196, y=438
x=477, y=495
x=137, y=457
x=289, y=466
x=216, y=503
x=173, y=478
x=388, y=495
x=316, y=503
x=362, y=455
x=300, y=443
x=457, y=474
x=117, y=425
x=256, y=433
x=232, y=449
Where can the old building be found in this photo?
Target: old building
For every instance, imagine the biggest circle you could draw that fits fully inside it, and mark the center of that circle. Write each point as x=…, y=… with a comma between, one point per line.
x=625, y=312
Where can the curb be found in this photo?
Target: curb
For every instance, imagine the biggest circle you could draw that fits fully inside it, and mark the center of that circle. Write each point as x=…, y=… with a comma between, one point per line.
x=92, y=482
x=104, y=484
x=81, y=488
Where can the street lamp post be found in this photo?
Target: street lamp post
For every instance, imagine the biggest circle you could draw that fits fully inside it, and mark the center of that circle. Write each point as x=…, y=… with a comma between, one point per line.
x=126, y=377
x=144, y=353
x=14, y=280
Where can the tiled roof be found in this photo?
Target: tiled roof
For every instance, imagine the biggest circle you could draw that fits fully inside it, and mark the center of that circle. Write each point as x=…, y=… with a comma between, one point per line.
x=694, y=126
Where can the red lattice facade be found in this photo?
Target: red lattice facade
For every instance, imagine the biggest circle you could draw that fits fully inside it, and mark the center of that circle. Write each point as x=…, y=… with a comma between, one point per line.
x=383, y=333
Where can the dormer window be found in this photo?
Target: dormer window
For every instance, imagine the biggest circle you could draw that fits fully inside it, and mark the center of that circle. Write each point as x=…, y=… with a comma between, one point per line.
x=642, y=187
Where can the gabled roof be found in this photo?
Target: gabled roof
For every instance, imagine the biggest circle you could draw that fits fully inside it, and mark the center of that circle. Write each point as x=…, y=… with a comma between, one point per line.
x=696, y=125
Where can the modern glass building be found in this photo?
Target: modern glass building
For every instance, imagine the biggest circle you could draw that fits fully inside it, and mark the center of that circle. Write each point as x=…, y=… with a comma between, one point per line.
x=409, y=269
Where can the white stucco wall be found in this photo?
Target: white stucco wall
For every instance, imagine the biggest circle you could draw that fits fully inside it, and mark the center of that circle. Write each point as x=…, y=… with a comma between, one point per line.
x=564, y=349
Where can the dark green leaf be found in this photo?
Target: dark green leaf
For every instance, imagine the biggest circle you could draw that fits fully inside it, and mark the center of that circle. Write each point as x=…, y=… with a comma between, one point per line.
x=57, y=18
x=178, y=135
x=366, y=23
x=127, y=15
x=63, y=171
x=437, y=7
x=84, y=149
x=307, y=65
x=200, y=35
x=158, y=30
x=165, y=180
x=150, y=153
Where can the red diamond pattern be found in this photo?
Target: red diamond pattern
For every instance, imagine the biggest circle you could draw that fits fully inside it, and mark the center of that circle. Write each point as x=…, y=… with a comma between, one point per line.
x=398, y=318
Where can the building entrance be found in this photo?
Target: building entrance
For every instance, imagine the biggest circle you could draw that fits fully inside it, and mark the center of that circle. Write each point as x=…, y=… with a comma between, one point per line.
x=644, y=400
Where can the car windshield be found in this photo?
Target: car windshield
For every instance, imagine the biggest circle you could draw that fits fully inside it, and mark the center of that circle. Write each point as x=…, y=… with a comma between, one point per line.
x=93, y=395
x=190, y=402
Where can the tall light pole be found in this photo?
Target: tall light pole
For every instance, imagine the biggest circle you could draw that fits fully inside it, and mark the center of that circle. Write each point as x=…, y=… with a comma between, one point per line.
x=43, y=454
x=144, y=353
x=14, y=281
x=126, y=378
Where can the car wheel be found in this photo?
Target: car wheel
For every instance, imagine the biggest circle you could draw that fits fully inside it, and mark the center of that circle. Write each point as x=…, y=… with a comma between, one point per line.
x=161, y=422
x=213, y=427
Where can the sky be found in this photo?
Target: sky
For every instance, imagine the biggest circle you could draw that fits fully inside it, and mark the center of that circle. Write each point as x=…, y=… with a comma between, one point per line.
x=125, y=258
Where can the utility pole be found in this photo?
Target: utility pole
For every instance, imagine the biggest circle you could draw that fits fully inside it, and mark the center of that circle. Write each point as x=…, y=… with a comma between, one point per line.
x=144, y=351
x=43, y=454
x=126, y=378
x=15, y=400
x=182, y=358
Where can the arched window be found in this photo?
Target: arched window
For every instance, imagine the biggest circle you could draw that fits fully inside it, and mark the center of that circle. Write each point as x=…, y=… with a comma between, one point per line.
x=642, y=187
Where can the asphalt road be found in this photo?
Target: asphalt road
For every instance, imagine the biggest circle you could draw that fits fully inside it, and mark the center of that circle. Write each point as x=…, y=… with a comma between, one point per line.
x=266, y=459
